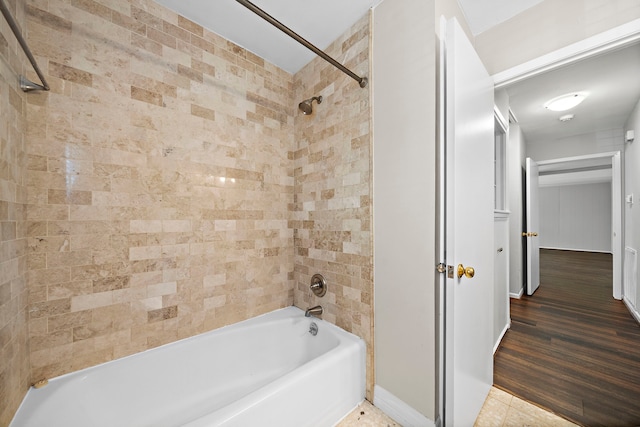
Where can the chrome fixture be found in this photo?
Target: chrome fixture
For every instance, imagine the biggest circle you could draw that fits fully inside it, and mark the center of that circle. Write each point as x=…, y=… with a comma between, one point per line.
x=25, y=84
x=306, y=106
x=318, y=285
x=362, y=81
x=314, y=311
x=313, y=329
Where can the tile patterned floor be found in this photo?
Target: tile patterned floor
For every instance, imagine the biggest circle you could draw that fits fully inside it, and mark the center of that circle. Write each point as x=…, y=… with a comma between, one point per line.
x=367, y=415
x=504, y=410
x=500, y=410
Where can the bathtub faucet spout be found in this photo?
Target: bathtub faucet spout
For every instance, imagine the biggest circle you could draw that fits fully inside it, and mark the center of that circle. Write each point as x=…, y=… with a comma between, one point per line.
x=314, y=311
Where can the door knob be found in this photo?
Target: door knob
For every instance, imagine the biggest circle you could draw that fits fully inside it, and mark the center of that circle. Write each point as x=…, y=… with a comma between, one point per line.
x=468, y=272
x=534, y=234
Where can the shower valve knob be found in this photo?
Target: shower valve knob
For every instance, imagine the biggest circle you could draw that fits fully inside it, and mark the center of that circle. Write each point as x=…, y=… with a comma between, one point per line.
x=318, y=285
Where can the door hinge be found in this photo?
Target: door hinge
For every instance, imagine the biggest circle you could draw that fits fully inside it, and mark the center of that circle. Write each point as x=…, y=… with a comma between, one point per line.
x=441, y=268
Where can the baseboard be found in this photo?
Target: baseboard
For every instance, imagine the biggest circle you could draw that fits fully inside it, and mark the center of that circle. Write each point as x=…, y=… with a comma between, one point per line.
x=631, y=309
x=397, y=409
x=504, y=331
x=518, y=295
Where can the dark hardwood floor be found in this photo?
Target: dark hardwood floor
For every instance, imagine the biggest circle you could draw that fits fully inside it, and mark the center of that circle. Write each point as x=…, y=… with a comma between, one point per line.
x=573, y=349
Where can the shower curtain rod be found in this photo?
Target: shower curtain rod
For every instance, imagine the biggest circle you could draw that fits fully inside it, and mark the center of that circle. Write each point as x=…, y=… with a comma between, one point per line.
x=273, y=21
x=25, y=84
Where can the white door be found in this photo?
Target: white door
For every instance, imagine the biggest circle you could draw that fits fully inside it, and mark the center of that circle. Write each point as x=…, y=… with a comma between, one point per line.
x=533, y=225
x=468, y=335
x=616, y=223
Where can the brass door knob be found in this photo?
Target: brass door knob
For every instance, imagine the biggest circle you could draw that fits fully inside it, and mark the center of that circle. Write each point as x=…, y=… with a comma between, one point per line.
x=534, y=234
x=467, y=272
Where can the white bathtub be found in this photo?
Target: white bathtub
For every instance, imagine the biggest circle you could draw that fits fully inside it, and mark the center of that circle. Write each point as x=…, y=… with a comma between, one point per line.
x=265, y=371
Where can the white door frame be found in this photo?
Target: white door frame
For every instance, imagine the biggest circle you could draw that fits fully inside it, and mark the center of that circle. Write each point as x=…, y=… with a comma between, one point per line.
x=617, y=248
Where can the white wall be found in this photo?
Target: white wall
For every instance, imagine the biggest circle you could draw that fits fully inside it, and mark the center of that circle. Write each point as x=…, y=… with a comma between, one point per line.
x=576, y=205
x=576, y=217
x=548, y=26
x=604, y=141
x=632, y=185
x=404, y=71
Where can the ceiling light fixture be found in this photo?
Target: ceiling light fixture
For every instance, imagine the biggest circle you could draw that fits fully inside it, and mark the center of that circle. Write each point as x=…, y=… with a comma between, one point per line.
x=565, y=102
x=566, y=117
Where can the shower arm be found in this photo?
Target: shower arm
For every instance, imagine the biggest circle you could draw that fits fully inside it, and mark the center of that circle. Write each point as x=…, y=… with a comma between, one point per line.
x=25, y=84
x=362, y=81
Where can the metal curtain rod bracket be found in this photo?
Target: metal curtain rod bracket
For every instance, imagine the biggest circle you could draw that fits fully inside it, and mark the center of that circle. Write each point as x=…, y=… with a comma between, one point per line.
x=273, y=21
x=25, y=84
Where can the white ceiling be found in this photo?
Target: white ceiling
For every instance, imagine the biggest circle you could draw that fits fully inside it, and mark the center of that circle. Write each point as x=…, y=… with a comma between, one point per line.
x=611, y=80
x=613, y=85
x=319, y=22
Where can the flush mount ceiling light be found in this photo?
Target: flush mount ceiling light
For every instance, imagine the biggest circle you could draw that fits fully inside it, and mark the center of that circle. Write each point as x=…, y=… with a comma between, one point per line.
x=566, y=117
x=565, y=102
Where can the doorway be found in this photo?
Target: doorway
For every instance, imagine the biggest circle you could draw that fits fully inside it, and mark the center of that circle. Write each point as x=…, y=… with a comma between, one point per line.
x=548, y=139
x=581, y=170
x=538, y=133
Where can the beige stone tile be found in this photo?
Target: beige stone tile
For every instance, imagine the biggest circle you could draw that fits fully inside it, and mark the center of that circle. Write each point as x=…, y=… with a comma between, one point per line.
x=502, y=409
x=89, y=301
x=500, y=395
x=128, y=295
x=538, y=413
x=160, y=289
x=68, y=320
x=69, y=289
x=176, y=226
x=493, y=413
x=150, y=304
x=367, y=415
x=145, y=226
x=145, y=252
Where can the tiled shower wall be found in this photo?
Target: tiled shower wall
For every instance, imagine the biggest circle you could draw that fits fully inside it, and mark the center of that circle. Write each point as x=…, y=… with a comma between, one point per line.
x=160, y=182
x=14, y=349
x=168, y=173
x=333, y=176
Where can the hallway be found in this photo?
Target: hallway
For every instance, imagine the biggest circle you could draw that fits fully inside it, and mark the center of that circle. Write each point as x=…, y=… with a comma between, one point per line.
x=572, y=348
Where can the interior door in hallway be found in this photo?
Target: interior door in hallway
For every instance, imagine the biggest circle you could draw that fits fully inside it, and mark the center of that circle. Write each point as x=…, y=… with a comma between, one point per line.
x=533, y=226
x=468, y=318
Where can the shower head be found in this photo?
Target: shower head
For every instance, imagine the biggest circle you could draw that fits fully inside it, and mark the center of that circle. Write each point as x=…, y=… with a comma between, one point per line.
x=306, y=106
